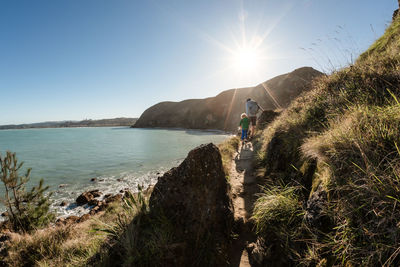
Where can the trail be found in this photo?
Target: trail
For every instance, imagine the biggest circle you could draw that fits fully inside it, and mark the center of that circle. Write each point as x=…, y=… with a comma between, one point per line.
x=244, y=189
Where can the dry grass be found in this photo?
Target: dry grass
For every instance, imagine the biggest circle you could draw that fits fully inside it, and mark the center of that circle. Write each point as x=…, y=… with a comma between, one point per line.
x=71, y=245
x=228, y=149
x=349, y=124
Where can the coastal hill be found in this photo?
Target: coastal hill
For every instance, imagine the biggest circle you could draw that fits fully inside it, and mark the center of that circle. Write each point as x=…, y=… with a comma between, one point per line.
x=223, y=111
x=66, y=124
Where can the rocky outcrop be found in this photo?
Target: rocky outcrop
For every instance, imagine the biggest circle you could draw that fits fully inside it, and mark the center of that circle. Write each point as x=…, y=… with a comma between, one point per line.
x=86, y=197
x=223, y=111
x=194, y=197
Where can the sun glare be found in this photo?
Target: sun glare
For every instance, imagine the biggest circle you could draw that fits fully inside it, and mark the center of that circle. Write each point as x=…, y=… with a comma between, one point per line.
x=246, y=60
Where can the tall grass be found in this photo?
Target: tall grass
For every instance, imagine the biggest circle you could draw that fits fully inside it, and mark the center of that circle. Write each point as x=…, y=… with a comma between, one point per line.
x=278, y=215
x=349, y=124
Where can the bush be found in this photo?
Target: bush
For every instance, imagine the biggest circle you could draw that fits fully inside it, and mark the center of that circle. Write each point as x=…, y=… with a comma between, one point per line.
x=26, y=210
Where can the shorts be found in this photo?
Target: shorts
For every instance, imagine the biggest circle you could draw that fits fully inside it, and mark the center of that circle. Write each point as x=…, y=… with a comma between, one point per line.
x=253, y=120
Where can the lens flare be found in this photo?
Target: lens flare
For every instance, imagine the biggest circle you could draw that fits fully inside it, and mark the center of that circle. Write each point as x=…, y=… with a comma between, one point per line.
x=246, y=60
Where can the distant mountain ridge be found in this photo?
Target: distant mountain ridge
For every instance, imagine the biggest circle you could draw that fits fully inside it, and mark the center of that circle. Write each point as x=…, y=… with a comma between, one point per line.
x=67, y=124
x=222, y=112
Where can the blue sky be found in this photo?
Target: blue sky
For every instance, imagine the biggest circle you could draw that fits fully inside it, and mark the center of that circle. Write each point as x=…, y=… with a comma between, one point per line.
x=78, y=59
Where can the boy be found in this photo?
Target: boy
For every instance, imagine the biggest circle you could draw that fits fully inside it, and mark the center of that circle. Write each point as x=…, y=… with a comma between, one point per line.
x=244, y=125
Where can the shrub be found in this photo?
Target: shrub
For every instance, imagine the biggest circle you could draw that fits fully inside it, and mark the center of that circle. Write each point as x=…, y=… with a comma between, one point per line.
x=26, y=210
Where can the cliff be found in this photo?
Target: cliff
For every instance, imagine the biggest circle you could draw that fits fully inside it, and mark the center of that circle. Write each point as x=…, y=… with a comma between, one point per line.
x=223, y=111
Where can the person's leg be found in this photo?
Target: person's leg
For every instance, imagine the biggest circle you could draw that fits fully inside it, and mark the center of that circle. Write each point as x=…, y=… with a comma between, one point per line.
x=245, y=134
x=253, y=122
x=242, y=137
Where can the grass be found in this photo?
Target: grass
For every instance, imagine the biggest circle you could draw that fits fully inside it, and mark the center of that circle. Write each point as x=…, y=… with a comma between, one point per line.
x=139, y=236
x=71, y=245
x=228, y=149
x=277, y=215
x=341, y=138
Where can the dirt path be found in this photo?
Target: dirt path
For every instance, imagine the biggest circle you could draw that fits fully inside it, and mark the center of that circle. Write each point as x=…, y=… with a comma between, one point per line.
x=244, y=187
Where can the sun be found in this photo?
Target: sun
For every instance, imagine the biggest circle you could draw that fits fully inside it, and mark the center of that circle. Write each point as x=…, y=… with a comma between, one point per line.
x=246, y=60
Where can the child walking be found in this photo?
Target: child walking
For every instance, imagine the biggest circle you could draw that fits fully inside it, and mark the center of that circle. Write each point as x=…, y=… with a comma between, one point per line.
x=244, y=125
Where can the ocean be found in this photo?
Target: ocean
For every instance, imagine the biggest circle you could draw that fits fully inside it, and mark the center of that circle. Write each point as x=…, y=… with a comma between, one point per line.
x=117, y=157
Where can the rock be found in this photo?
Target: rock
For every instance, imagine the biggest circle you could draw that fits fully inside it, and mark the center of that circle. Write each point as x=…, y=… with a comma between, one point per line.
x=102, y=205
x=119, y=180
x=84, y=217
x=62, y=185
x=107, y=196
x=63, y=203
x=72, y=219
x=258, y=253
x=84, y=198
x=93, y=179
x=4, y=214
x=114, y=198
x=194, y=197
x=316, y=214
x=93, y=202
x=95, y=193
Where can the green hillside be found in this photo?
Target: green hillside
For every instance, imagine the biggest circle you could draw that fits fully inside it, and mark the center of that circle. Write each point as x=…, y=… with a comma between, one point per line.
x=331, y=168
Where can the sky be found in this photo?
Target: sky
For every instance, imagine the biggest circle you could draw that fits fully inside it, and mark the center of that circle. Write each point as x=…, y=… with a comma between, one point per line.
x=92, y=59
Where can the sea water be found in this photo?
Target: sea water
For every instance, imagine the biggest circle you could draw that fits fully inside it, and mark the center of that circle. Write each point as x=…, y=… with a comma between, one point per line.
x=118, y=158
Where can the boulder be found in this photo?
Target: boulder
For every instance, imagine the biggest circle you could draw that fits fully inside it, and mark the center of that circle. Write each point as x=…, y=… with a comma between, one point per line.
x=317, y=215
x=194, y=196
x=93, y=202
x=63, y=203
x=84, y=198
x=95, y=193
x=117, y=197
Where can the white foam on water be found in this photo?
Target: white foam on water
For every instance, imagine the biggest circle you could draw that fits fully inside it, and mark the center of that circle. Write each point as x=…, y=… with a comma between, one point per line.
x=106, y=185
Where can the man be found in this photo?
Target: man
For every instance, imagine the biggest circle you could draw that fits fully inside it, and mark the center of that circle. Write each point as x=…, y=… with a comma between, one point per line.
x=252, y=109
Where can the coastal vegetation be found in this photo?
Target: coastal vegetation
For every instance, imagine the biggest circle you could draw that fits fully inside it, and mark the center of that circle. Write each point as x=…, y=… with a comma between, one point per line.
x=328, y=165
x=26, y=210
x=340, y=144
